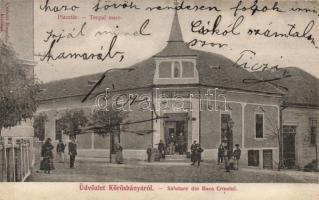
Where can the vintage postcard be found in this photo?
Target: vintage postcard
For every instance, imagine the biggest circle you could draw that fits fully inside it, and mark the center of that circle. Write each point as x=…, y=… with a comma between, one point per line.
x=159, y=99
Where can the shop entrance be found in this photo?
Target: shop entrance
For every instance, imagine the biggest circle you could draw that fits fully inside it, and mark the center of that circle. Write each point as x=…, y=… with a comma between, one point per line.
x=176, y=133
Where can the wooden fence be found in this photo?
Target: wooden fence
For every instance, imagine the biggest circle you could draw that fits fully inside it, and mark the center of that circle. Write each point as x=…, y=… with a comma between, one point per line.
x=16, y=158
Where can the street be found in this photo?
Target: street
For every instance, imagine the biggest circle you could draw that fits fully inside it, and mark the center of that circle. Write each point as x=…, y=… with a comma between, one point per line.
x=141, y=171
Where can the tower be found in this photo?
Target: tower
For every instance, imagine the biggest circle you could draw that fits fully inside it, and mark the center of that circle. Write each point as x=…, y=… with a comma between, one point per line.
x=176, y=63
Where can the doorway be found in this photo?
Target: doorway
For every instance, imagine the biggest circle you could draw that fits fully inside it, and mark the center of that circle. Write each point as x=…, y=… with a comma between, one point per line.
x=226, y=131
x=267, y=159
x=175, y=133
x=289, y=156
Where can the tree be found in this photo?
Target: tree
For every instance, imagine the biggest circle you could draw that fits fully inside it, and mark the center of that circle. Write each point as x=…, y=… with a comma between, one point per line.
x=275, y=131
x=311, y=138
x=39, y=125
x=17, y=90
x=108, y=122
x=71, y=122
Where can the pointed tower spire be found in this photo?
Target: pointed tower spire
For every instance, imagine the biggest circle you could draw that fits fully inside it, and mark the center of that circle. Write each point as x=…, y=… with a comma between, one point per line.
x=176, y=47
x=176, y=32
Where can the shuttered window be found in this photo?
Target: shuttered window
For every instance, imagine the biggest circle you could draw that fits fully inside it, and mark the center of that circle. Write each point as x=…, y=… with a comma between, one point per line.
x=253, y=158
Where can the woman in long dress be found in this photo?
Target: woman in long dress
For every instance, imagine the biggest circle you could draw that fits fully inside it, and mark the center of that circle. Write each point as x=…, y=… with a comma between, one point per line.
x=47, y=155
x=119, y=153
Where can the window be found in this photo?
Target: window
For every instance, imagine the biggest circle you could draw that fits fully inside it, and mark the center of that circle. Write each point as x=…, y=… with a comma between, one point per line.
x=267, y=159
x=253, y=158
x=165, y=70
x=177, y=70
x=313, y=130
x=259, y=125
x=188, y=69
x=58, y=129
x=288, y=148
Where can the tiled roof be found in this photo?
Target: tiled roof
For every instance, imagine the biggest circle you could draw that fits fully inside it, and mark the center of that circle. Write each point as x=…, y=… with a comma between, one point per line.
x=217, y=70
x=214, y=70
x=303, y=88
x=141, y=76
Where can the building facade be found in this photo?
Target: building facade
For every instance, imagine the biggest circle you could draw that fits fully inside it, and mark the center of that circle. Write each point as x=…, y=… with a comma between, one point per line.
x=300, y=114
x=181, y=92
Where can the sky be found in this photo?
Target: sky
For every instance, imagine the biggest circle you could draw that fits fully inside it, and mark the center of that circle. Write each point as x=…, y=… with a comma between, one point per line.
x=284, y=52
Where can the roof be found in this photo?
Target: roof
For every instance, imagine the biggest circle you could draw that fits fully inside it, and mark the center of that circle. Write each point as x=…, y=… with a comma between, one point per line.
x=176, y=32
x=176, y=49
x=118, y=80
x=302, y=87
x=214, y=70
x=175, y=44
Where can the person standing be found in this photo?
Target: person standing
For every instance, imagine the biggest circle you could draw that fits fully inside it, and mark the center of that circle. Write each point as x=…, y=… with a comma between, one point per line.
x=72, y=151
x=149, y=153
x=171, y=143
x=236, y=154
x=220, y=153
x=226, y=159
x=47, y=155
x=161, y=149
x=60, y=150
x=180, y=143
x=193, y=150
x=119, y=153
x=198, y=155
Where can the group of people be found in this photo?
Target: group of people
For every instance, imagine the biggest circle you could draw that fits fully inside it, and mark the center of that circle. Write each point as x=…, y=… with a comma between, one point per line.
x=230, y=159
x=46, y=163
x=196, y=152
x=160, y=153
x=47, y=154
x=176, y=144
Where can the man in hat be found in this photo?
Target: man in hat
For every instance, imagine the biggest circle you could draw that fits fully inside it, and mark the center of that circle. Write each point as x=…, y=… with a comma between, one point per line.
x=193, y=150
x=171, y=141
x=236, y=154
x=60, y=150
x=161, y=149
x=226, y=158
x=72, y=151
x=220, y=153
x=198, y=155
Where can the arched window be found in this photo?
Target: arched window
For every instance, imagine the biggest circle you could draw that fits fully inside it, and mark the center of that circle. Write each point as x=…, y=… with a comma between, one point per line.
x=177, y=70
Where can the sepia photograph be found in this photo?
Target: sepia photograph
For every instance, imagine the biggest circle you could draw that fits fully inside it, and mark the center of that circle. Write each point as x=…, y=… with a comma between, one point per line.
x=124, y=95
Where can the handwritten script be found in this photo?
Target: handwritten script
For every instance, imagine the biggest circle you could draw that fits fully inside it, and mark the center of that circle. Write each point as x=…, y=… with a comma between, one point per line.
x=209, y=26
